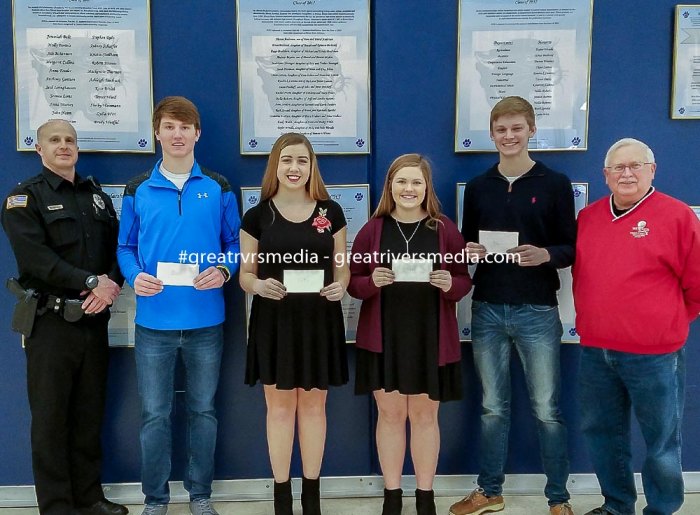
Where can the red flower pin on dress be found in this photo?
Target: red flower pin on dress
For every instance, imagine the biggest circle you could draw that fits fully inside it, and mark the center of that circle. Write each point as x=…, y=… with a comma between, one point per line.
x=321, y=222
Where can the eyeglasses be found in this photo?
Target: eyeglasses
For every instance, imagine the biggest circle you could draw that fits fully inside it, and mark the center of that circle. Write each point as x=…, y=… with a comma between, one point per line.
x=635, y=166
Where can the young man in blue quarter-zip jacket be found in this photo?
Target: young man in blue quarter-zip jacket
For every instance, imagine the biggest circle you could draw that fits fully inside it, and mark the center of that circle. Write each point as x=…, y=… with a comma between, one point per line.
x=522, y=208
x=178, y=245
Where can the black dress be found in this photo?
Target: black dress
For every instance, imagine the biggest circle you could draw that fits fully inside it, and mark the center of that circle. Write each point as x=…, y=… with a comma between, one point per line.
x=299, y=341
x=410, y=328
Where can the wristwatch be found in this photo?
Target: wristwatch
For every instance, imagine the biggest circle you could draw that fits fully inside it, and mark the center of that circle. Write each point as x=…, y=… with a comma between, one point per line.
x=91, y=282
x=224, y=271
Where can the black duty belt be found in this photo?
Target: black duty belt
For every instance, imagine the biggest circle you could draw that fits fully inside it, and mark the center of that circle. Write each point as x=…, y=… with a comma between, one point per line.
x=70, y=309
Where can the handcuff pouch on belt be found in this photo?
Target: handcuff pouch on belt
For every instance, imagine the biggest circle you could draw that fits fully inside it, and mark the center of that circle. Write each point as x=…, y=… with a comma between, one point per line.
x=71, y=310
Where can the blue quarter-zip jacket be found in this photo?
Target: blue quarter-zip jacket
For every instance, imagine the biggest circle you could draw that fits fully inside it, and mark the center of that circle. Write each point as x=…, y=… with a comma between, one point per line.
x=196, y=225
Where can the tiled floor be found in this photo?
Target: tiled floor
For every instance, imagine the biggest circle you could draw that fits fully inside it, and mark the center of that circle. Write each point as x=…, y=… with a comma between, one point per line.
x=515, y=505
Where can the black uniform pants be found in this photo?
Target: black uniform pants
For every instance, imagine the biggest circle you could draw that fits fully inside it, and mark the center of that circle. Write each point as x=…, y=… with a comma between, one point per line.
x=66, y=382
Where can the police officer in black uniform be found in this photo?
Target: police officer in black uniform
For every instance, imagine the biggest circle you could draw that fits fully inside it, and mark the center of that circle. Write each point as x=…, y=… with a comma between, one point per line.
x=63, y=231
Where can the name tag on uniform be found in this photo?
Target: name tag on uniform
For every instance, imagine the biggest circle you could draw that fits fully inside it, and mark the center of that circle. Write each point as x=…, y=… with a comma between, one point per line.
x=177, y=274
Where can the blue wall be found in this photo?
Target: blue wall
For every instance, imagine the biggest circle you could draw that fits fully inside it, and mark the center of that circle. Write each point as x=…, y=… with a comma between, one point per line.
x=413, y=60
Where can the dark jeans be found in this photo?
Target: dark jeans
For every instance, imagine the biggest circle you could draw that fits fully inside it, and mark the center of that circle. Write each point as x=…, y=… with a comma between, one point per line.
x=535, y=332
x=611, y=385
x=156, y=355
x=66, y=383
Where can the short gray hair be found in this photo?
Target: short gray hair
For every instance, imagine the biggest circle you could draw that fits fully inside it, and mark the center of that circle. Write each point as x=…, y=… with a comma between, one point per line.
x=624, y=142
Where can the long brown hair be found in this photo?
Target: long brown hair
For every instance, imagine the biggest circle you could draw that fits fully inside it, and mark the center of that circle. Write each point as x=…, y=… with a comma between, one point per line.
x=430, y=203
x=270, y=183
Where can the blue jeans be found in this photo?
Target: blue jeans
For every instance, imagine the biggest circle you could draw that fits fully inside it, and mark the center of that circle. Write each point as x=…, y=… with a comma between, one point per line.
x=156, y=355
x=536, y=332
x=611, y=383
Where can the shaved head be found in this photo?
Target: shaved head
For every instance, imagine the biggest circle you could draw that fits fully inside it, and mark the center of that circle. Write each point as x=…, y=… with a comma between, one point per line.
x=44, y=128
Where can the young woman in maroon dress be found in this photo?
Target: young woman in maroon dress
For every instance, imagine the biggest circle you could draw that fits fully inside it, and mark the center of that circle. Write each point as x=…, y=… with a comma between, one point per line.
x=408, y=350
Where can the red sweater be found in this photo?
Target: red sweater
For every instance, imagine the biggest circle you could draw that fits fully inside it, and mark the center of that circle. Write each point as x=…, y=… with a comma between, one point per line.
x=637, y=276
x=369, y=326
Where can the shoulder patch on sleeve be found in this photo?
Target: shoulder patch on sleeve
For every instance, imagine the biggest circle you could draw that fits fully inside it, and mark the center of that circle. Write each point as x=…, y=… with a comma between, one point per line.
x=17, y=201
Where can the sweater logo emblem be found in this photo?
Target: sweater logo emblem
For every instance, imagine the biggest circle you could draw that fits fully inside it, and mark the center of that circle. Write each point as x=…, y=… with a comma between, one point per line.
x=203, y=195
x=640, y=230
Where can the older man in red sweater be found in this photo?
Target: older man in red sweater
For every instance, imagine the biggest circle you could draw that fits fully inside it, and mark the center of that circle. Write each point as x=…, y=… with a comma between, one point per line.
x=636, y=289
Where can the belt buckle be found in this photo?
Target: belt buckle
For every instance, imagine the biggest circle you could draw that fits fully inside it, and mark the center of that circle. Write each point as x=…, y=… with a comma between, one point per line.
x=57, y=305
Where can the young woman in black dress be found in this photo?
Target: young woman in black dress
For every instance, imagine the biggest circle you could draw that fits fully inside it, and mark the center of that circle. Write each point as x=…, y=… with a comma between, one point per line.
x=408, y=350
x=296, y=341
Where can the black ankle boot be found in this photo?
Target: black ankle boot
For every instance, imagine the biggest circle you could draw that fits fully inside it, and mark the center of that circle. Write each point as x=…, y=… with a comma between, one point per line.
x=392, y=502
x=283, y=498
x=310, y=496
x=425, y=502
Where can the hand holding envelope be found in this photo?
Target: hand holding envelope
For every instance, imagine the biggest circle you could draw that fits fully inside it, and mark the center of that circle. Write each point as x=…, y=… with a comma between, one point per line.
x=209, y=279
x=145, y=285
x=441, y=279
x=269, y=288
x=506, y=242
x=333, y=292
x=382, y=276
x=529, y=255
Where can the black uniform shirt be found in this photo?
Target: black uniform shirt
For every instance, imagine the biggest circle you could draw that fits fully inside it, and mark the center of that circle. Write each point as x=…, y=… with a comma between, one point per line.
x=61, y=233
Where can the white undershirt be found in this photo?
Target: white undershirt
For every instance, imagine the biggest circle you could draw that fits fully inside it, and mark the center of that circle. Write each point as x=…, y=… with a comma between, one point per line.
x=178, y=179
x=513, y=179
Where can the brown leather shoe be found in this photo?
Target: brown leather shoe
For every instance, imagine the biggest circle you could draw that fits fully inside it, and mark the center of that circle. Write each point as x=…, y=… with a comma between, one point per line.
x=477, y=503
x=561, y=509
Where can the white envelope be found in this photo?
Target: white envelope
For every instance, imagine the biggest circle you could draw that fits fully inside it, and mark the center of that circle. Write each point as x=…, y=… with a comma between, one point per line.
x=177, y=274
x=498, y=242
x=303, y=281
x=412, y=270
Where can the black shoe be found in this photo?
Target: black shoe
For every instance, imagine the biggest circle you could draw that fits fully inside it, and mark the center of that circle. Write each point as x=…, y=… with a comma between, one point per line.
x=310, y=496
x=283, y=498
x=393, y=502
x=104, y=507
x=425, y=502
x=599, y=511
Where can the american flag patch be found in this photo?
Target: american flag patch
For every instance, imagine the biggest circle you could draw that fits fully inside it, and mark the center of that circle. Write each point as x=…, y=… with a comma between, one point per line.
x=16, y=201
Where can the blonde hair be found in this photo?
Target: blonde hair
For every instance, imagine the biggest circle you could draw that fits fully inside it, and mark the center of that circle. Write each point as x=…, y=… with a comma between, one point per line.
x=513, y=106
x=270, y=182
x=430, y=203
